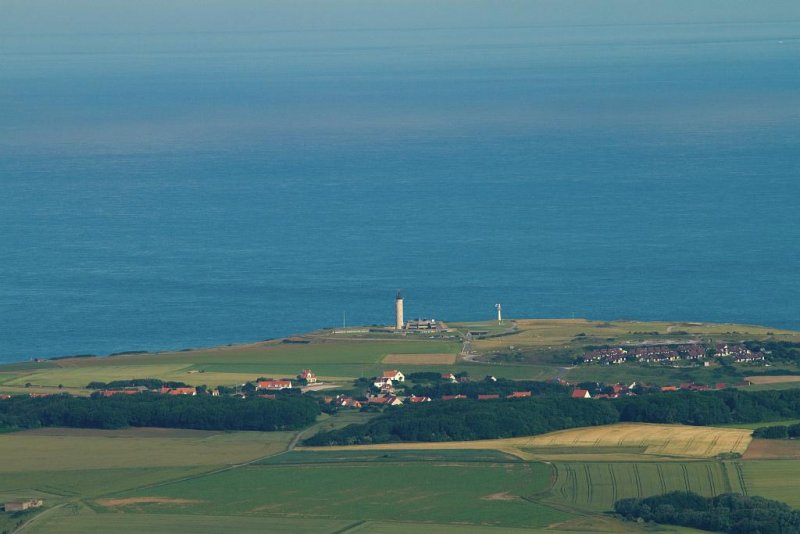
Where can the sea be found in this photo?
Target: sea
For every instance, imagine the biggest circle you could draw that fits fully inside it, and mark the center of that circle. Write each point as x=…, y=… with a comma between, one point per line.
x=172, y=190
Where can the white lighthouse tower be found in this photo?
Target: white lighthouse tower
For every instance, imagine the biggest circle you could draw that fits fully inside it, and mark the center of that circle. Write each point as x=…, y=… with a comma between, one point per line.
x=398, y=311
x=499, y=312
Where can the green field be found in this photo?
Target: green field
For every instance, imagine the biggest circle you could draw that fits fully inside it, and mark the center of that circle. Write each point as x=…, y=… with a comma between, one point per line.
x=597, y=485
x=245, y=480
x=773, y=479
x=482, y=493
x=82, y=521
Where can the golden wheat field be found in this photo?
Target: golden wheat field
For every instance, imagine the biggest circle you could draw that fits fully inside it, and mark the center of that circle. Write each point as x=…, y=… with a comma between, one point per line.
x=623, y=441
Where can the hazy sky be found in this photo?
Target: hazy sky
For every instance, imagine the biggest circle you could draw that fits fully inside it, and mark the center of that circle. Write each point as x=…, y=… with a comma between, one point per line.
x=126, y=16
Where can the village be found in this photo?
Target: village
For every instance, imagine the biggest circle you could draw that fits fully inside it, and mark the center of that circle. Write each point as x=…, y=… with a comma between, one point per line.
x=690, y=352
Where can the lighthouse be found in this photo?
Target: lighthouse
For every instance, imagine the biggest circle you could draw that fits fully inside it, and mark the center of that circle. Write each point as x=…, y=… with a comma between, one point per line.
x=398, y=311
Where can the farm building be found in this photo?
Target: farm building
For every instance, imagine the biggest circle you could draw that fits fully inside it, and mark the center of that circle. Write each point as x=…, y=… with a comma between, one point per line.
x=394, y=375
x=21, y=506
x=308, y=376
x=581, y=394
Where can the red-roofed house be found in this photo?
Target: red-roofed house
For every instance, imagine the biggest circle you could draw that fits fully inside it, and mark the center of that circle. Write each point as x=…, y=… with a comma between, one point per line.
x=347, y=402
x=389, y=400
x=669, y=388
x=5, y=397
x=394, y=375
x=308, y=376
x=414, y=400
x=274, y=384
x=453, y=397
x=488, y=397
x=581, y=394
x=518, y=394
x=449, y=376
x=720, y=385
x=270, y=396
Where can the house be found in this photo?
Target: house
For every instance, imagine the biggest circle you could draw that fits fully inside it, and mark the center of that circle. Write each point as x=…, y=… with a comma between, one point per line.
x=394, y=375
x=581, y=394
x=215, y=393
x=385, y=400
x=720, y=385
x=308, y=376
x=270, y=396
x=21, y=506
x=453, y=397
x=414, y=400
x=383, y=383
x=450, y=377
x=669, y=388
x=274, y=384
x=4, y=397
x=488, y=397
x=178, y=391
x=347, y=402
x=518, y=394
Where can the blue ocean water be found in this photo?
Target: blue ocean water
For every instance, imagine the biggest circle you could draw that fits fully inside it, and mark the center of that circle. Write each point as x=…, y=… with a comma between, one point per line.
x=163, y=191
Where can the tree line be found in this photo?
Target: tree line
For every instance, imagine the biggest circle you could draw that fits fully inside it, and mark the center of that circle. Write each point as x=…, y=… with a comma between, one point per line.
x=730, y=512
x=149, y=383
x=438, y=387
x=154, y=410
x=777, y=432
x=468, y=419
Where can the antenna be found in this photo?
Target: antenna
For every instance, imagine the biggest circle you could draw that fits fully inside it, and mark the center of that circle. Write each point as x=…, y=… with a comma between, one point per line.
x=344, y=320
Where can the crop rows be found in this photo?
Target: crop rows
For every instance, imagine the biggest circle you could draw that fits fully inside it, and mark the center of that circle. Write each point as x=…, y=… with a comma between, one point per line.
x=597, y=485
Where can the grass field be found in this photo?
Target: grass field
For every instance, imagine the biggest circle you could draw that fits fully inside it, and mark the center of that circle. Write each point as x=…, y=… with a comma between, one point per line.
x=343, y=359
x=84, y=521
x=597, y=485
x=773, y=479
x=421, y=359
x=447, y=492
x=35, y=450
x=758, y=380
x=624, y=441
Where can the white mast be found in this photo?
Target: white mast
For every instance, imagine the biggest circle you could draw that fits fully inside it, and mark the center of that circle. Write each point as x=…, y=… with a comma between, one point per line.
x=499, y=313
